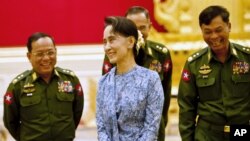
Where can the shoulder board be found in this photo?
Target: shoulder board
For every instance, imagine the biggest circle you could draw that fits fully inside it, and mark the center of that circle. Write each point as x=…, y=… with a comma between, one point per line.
x=242, y=48
x=21, y=76
x=65, y=71
x=157, y=46
x=197, y=54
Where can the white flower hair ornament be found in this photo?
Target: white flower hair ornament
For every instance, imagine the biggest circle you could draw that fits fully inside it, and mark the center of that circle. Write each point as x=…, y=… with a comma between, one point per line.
x=140, y=41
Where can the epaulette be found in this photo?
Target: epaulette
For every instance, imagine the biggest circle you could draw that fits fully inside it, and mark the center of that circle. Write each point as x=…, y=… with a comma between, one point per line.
x=158, y=47
x=242, y=48
x=65, y=71
x=21, y=76
x=197, y=54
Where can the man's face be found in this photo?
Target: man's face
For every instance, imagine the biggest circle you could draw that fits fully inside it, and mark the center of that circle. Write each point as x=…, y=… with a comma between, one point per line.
x=43, y=56
x=143, y=24
x=216, y=34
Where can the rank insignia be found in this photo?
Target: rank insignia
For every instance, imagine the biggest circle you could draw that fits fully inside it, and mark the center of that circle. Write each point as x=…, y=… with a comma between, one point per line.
x=28, y=88
x=79, y=90
x=240, y=67
x=167, y=65
x=8, y=98
x=155, y=65
x=65, y=86
x=107, y=66
x=185, y=75
x=205, y=69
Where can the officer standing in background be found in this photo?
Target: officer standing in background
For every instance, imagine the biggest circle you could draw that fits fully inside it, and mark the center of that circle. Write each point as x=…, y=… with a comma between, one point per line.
x=45, y=103
x=152, y=55
x=214, y=90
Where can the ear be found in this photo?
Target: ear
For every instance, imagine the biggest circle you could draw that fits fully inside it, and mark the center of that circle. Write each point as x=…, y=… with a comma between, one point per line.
x=28, y=54
x=229, y=27
x=131, y=41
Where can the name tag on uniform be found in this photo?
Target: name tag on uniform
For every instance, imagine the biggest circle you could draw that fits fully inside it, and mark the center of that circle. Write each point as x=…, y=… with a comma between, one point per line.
x=29, y=94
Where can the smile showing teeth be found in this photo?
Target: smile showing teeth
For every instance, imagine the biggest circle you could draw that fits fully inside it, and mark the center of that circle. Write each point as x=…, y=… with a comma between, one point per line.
x=45, y=65
x=215, y=43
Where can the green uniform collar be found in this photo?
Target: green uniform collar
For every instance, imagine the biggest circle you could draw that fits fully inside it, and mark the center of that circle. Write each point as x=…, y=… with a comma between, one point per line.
x=35, y=76
x=232, y=51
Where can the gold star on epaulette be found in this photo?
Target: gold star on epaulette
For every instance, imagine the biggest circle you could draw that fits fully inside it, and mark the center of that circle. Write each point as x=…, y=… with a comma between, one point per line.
x=20, y=77
x=164, y=50
x=246, y=49
x=161, y=49
x=69, y=72
x=194, y=56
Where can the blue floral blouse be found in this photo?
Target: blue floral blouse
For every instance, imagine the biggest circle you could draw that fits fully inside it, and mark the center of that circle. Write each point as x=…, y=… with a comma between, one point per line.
x=129, y=106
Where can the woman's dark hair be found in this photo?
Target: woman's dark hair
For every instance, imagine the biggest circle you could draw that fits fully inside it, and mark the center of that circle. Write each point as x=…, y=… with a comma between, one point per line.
x=35, y=37
x=209, y=13
x=124, y=27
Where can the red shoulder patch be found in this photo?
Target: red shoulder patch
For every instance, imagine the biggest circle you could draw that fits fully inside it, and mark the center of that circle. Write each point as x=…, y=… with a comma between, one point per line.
x=79, y=89
x=185, y=75
x=8, y=98
x=167, y=65
x=107, y=66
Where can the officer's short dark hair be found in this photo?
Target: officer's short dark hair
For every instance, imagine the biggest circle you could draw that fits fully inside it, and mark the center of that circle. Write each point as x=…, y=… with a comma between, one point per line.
x=35, y=37
x=209, y=13
x=124, y=27
x=137, y=9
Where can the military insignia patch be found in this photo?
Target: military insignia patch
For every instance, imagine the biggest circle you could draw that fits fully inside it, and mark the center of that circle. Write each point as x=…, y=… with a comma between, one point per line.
x=107, y=66
x=79, y=89
x=65, y=86
x=185, y=75
x=167, y=65
x=155, y=65
x=28, y=88
x=8, y=98
x=205, y=69
x=240, y=67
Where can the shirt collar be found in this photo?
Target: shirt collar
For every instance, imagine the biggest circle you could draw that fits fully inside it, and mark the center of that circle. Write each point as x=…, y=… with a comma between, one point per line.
x=232, y=52
x=35, y=76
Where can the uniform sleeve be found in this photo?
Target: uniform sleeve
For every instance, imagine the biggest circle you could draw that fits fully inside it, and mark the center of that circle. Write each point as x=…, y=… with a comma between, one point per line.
x=11, y=117
x=187, y=100
x=167, y=86
x=78, y=102
x=153, y=110
x=107, y=66
x=101, y=130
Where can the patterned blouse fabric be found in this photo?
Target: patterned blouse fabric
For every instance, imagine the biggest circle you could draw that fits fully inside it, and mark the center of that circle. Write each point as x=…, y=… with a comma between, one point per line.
x=129, y=106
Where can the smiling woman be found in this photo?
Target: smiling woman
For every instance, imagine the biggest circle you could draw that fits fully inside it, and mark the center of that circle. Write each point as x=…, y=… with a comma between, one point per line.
x=130, y=97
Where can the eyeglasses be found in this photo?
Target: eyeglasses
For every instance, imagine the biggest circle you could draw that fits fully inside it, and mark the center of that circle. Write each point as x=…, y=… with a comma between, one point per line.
x=49, y=53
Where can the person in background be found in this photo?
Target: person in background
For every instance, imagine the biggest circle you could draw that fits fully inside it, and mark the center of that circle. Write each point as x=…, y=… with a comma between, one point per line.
x=129, y=97
x=151, y=55
x=214, y=91
x=45, y=103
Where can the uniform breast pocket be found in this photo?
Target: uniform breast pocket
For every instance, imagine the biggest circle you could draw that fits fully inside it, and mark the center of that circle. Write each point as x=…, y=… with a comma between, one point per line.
x=241, y=85
x=30, y=106
x=65, y=97
x=207, y=89
x=65, y=103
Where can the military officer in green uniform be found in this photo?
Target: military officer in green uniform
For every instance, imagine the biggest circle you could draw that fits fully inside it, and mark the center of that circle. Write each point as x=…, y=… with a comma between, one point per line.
x=152, y=55
x=214, y=91
x=45, y=103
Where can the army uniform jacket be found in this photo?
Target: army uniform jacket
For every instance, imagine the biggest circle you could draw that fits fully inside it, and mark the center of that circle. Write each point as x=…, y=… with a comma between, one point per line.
x=154, y=56
x=129, y=106
x=216, y=92
x=37, y=111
